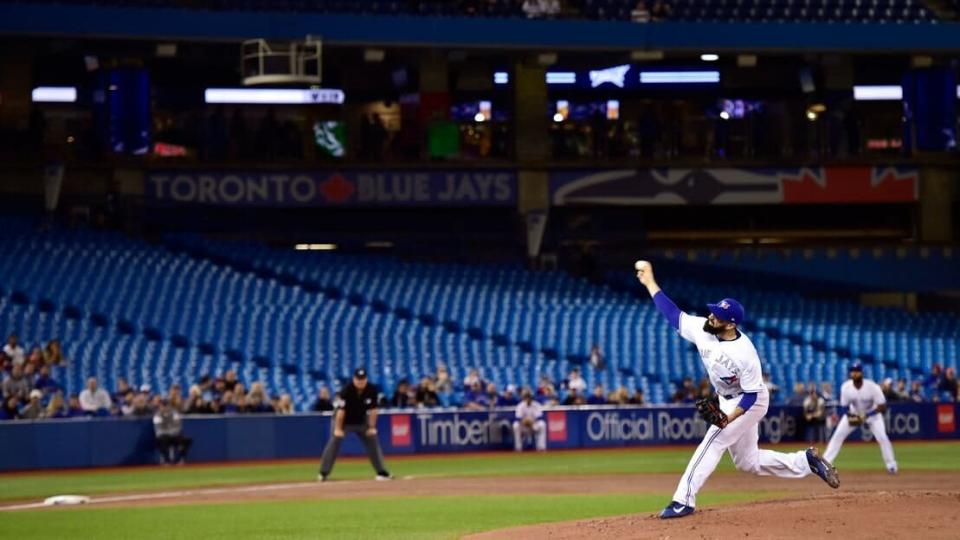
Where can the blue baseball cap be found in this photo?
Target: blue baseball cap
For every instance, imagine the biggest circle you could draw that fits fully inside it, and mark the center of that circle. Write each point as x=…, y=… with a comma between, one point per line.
x=728, y=310
x=856, y=366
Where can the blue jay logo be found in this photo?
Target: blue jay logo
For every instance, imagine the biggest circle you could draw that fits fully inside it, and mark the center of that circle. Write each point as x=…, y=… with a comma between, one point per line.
x=730, y=380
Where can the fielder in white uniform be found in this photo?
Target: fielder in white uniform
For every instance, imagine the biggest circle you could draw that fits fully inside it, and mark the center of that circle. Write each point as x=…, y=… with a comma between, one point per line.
x=529, y=419
x=733, y=365
x=863, y=401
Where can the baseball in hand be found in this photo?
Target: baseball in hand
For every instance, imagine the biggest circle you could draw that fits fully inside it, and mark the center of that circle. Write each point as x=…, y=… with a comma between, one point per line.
x=641, y=266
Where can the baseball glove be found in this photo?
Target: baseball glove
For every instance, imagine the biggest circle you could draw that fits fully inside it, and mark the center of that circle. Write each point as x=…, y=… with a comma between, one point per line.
x=855, y=419
x=709, y=410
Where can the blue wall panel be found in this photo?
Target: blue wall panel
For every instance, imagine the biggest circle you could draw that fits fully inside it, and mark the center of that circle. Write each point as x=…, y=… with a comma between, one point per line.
x=108, y=442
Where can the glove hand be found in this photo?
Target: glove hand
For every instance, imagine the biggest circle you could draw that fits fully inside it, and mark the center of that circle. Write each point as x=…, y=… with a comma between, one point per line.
x=855, y=419
x=709, y=410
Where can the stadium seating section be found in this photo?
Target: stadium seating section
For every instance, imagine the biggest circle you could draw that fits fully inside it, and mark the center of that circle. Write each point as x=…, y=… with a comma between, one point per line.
x=893, y=11
x=159, y=314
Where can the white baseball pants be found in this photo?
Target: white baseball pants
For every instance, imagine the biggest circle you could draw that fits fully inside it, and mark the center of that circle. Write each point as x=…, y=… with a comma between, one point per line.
x=539, y=430
x=877, y=428
x=740, y=438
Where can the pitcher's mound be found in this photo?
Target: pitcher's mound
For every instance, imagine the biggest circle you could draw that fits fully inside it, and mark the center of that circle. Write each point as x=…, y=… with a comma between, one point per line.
x=882, y=514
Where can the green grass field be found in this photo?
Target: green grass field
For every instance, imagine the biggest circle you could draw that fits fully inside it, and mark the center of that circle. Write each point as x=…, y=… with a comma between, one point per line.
x=379, y=517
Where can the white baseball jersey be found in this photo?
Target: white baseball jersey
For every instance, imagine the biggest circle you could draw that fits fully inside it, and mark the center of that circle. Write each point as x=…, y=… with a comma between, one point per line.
x=533, y=411
x=861, y=400
x=733, y=366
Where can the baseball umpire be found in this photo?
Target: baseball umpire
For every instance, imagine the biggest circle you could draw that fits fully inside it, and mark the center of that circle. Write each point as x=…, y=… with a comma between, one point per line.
x=356, y=412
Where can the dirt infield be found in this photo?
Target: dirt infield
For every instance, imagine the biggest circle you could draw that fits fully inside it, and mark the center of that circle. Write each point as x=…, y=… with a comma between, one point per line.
x=868, y=505
x=883, y=514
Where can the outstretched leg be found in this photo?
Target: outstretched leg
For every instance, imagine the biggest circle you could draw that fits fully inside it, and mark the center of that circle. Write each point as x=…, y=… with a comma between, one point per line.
x=749, y=457
x=879, y=431
x=836, y=440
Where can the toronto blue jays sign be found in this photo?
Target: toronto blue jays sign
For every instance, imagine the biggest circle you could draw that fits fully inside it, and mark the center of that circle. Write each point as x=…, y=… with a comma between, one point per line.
x=334, y=188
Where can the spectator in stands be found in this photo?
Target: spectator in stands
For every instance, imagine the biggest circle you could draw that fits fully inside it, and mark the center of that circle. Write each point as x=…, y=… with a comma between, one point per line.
x=574, y=398
x=284, y=405
x=575, y=382
x=167, y=426
x=34, y=359
x=217, y=389
x=545, y=387
x=44, y=382
x=472, y=377
x=56, y=408
x=547, y=394
x=425, y=395
x=16, y=386
x=34, y=409
x=53, y=353
x=125, y=403
x=175, y=395
x=597, y=397
x=933, y=379
x=239, y=401
x=638, y=398
x=509, y=397
x=947, y=386
x=14, y=350
x=640, y=13
x=687, y=393
x=140, y=407
x=493, y=396
x=401, y=395
x=11, y=409
x=195, y=403
x=257, y=400
x=93, y=399
x=529, y=421
x=443, y=385
x=228, y=404
x=888, y=393
x=916, y=392
x=531, y=8
x=826, y=392
x=230, y=380
x=596, y=358
x=323, y=403
x=660, y=11
x=814, y=415
x=704, y=391
x=475, y=399
x=122, y=388
x=901, y=390
x=74, y=409
x=799, y=394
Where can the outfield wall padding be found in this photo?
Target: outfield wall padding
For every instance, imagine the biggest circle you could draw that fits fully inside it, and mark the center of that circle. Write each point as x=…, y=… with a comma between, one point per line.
x=98, y=442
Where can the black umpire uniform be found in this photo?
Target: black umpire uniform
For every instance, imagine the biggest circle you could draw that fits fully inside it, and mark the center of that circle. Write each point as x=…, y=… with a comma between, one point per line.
x=356, y=412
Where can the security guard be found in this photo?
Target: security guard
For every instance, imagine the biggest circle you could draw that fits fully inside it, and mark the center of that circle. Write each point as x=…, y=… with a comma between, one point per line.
x=356, y=412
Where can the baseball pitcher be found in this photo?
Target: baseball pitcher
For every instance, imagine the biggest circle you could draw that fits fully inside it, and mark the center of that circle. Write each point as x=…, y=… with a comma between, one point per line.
x=734, y=415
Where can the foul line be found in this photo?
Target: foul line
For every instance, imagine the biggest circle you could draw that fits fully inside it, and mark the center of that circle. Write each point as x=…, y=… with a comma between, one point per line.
x=172, y=494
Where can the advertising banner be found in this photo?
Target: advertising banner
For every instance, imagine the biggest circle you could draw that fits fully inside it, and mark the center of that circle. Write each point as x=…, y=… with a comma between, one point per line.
x=675, y=186
x=87, y=442
x=333, y=188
